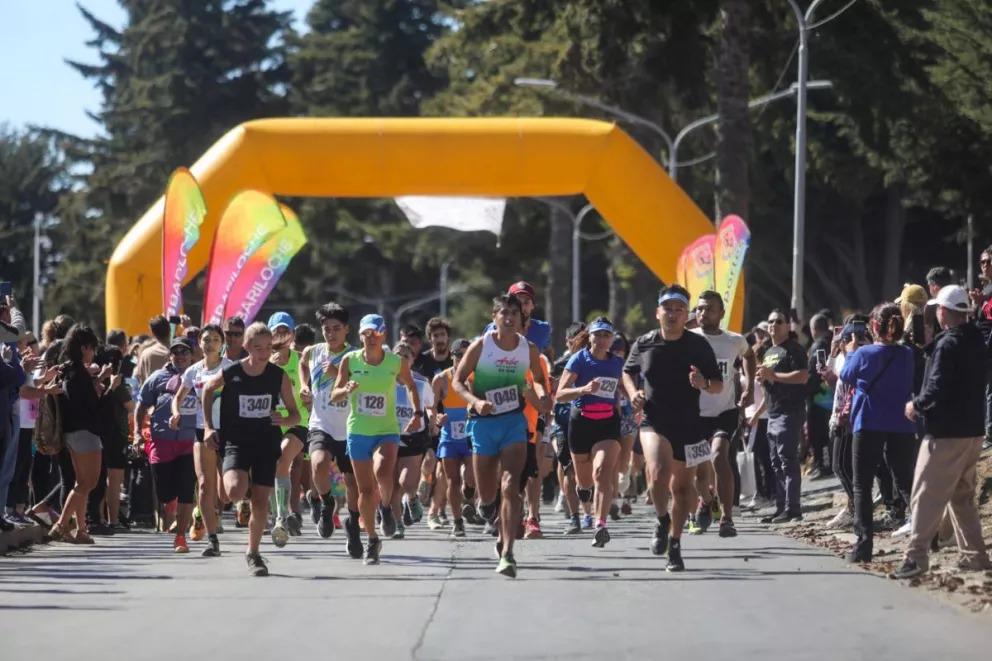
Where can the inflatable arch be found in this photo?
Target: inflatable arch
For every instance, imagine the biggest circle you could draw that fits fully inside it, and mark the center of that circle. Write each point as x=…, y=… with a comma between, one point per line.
x=506, y=157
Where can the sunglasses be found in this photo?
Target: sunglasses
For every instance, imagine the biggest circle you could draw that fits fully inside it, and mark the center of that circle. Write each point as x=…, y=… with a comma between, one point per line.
x=778, y=320
x=985, y=262
x=234, y=333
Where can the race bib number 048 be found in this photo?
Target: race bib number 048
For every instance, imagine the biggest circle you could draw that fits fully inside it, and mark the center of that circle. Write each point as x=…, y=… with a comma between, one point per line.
x=504, y=400
x=698, y=453
x=372, y=404
x=254, y=406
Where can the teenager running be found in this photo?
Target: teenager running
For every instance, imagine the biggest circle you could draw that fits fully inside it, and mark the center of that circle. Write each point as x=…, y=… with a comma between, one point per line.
x=205, y=456
x=367, y=377
x=412, y=445
x=675, y=366
x=454, y=448
x=328, y=435
x=294, y=437
x=720, y=412
x=590, y=382
x=499, y=362
x=252, y=388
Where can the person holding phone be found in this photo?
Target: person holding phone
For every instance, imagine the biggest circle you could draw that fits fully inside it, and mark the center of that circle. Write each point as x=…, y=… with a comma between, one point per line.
x=820, y=402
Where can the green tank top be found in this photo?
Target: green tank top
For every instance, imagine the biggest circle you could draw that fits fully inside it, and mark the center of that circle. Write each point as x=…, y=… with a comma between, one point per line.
x=373, y=403
x=292, y=370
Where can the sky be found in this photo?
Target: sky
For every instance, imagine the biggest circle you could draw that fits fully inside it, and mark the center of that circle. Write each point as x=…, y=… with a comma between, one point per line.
x=36, y=36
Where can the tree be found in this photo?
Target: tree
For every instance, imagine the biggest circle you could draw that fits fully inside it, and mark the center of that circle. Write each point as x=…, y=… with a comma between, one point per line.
x=733, y=191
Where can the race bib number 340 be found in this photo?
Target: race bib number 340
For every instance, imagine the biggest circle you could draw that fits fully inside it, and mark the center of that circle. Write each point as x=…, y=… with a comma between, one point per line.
x=698, y=453
x=372, y=404
x=254, y=406
x=504, y=400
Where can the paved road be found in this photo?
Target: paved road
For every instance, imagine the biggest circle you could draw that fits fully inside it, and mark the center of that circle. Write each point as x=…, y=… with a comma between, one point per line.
x=758, y=596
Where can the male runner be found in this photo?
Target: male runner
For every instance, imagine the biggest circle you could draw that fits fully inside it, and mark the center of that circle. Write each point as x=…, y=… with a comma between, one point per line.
x=234, y=350
x=328, y=434
x=535, y=330
x=252, y=388
x=412, y=445
x=720, y=412
x=499, y=361
x=676, y=366
x=429, y=364
x=454, y=449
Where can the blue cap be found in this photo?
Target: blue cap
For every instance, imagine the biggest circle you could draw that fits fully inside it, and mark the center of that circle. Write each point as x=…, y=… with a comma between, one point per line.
x=281, y=319
x=669, y=295
x=600, y=326
x=373, y=322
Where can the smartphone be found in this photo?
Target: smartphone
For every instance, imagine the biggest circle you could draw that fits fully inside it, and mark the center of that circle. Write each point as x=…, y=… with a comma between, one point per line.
x=175, y=320
x=6, y=289
x=919, y=329
x=838, y=331
x=821, y=358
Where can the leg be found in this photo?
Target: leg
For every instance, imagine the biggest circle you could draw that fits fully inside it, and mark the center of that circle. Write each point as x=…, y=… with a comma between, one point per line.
x=658, y=459
x=115, y=478
x=763, y=462
x=452, y=471
x=259, y=515
x=682, y=502
x=205, y=462
x=320, y=470
x=604, y=472
x=933, y=486
x=725, y=482
x=86, y=471
x=291, y=448
x=512, y=457
x=776, y=451
x=384, y=462
x=867, y=451
x=964, y=513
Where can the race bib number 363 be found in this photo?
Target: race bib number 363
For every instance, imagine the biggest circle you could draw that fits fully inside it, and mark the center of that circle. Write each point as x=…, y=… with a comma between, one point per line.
x=254, y=406
x=698, y=453
x=504, y=400
x=372, y=404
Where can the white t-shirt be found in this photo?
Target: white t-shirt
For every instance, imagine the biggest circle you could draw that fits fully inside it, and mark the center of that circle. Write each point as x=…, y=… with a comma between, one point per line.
x=404, y=411
x=28, y=408
x=728, y=347
x=195, y=376
x=325, y=415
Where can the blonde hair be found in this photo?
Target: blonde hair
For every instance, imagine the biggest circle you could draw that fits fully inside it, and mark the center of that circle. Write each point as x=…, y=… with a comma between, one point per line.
x=257, y=329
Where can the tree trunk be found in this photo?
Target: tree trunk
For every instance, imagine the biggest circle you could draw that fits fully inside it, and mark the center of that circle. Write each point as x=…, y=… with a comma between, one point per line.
x=558, y=295
x=733, y=191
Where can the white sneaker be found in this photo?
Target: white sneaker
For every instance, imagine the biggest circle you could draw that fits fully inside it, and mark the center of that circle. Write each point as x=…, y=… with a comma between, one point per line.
x=279, y=533
x=905, y=529
x=434, y=522
x=842, y=521
x=560, y=505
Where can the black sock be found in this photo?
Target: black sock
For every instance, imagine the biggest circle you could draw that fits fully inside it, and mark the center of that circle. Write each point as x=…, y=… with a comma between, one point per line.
x=469, y=493
x=327, y=499
x=353, y=515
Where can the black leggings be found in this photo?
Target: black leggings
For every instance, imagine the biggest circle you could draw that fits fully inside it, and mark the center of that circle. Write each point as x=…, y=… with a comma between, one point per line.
x=763, y=462
x=843, y=460
x=868, y=448
x=18, y=493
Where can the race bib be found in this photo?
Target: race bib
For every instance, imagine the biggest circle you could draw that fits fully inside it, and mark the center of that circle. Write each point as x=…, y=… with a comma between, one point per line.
x=607, y=387
x=404, y=414
x=254, y=406
x=724, y=367
x=372, y=404
x=698, y=453
x=458, y=430
x=504, y=400
x=189, y=405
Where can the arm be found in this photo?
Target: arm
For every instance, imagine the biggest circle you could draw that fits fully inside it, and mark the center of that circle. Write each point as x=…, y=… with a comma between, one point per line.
x=405, y=378
x=342, y=385
x=750, y=367
x=292, y=416
x=540, y=387
x=760, y=411
x=935, y=386
x=566, y=393
x=437, y=385
x=304, y=374
x=459, y=382
x=207, y=402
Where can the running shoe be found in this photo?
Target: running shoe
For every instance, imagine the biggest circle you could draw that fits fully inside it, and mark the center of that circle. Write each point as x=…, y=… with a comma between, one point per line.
x=444, y=517
x=587, y=521
x=315, y=506
x=279, y=533
x=843, y=521
x=490, y=528
x=602, y=537
x=615, y=512
x=256, y=565
x=372, y=551
x=909, y=569
x=727, y=529
x=458, y=528
x=424, y=491
x=904, y=530
x=179, y=544
x=574, y=528
x=407, y=512
x=243, y=515
x=532, y=529
x=560, y=504
x=771, y=517
x=388, y=521
x=416, y=510
x=197, y=531
x=400, y=531
x=704, y=517
x=659, y=542
x=625, y=509
x=294, y=523
x=470, y=514
x=692, y=527
x=507, y=566
x=354, y=533
x=325, y=522
x=675, y=556
x=434, y=522
x=212, y=550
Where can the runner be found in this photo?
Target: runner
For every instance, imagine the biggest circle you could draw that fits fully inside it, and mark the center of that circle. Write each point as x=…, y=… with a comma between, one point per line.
x=499, y=361
x=576, y=337
x=328, y=444
x=234, y=350
x=535, y=330
x=170, y=445
x=430, y=363
x=412, y=445
x=287, y=523
x=676, y=366
x=300, y=473
x=205, y=458
x=590, y=382
x=367, y=378
x=454, y=449
x=628, y=434
x=537, y=465
x=720, y=412
x=252, y=387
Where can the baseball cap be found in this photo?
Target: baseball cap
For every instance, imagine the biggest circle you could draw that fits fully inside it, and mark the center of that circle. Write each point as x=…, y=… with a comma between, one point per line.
x=522, y=288
x=953, y=297
x=181, y=343
x=281, y=319
x=600, y=325
x=372, y=322
x=913, y=294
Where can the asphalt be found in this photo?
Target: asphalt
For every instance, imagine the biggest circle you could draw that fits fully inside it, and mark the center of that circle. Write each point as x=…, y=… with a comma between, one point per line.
x=758, y=596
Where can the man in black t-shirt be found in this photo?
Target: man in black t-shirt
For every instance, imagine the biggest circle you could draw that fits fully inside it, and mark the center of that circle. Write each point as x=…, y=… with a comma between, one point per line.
x=784, y=372
x=675, y=366
x=438, y=357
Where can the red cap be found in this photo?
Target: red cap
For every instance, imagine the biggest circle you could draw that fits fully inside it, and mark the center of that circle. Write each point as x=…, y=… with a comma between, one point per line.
x=522, y=288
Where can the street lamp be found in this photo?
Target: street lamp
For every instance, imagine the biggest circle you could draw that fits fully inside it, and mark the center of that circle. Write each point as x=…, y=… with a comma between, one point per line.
x=36, y=290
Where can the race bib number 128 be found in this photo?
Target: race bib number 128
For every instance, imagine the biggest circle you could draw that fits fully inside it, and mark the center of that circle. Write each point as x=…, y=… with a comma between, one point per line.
x=372, y=404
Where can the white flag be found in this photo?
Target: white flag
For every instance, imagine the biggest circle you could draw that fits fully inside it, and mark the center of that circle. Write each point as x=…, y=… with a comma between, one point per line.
x=465, y=214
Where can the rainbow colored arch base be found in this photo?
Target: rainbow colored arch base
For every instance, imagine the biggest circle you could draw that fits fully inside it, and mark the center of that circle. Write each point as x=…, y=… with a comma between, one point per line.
x=505, y=157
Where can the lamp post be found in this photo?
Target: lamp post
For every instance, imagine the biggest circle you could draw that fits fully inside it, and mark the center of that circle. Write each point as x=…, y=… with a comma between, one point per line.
x=36, y=289
x=443, y=286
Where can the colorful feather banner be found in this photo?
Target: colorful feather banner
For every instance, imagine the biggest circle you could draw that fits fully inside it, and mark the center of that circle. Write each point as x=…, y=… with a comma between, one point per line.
x=732, y=241
x=184, y=213
x=699, y=265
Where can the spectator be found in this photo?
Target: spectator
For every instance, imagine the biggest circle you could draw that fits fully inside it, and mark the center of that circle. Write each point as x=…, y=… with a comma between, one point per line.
x=784, y=373
x=155, y=355
x=234, y=339
x=952, y=405
x=881, y=375
x=937, y=278
x=821, y=397
x=757, y=419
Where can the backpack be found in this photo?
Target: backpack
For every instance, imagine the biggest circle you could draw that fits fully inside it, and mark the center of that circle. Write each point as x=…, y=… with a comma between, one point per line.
x=48, y=435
